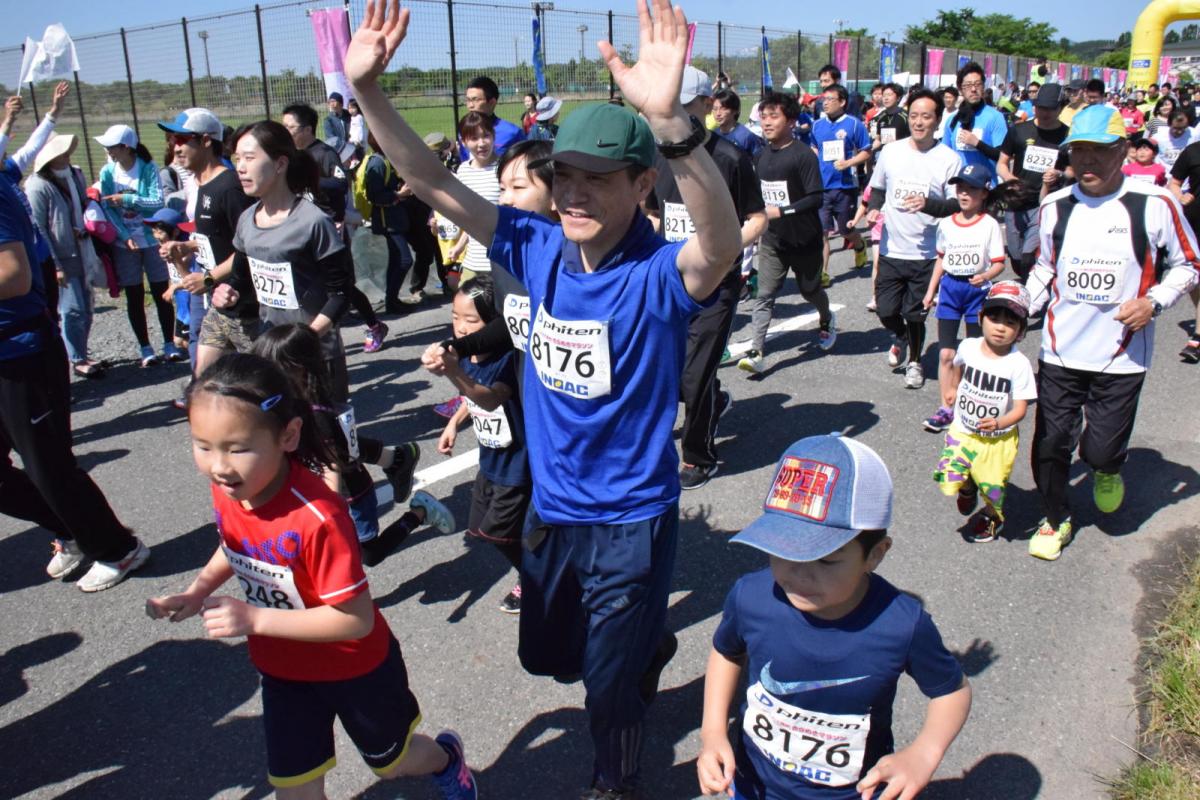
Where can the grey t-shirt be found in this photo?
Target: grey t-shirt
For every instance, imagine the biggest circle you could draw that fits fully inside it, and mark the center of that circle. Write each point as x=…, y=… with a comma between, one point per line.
x=902, y=170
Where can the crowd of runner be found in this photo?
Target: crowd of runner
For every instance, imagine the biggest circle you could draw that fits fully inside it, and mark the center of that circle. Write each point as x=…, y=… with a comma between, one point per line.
x=594, y=263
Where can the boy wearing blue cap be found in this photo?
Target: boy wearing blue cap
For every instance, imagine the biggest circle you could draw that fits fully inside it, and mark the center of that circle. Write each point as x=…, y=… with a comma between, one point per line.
x=825, y=641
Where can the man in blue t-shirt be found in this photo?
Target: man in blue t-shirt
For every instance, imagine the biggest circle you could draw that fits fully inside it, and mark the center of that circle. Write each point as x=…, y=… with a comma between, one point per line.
x=35, y=421
x=824, y=641
x=975, y=130
x=841, y=143
x=726, y=109
x=482, y=96
x=610, y=302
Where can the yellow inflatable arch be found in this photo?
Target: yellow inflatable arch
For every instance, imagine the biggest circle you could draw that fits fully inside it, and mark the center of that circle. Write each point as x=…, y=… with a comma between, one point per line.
x=1146, y=47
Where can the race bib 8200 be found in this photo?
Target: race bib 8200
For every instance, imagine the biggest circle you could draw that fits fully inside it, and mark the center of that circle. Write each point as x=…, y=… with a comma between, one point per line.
x=963, y=260
x=571, y=356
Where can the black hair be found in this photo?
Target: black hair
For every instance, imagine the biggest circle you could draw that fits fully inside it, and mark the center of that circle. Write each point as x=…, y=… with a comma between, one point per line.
x=833, y=72
x=969, y=68
x=490, y=90
x=869, y=538
x=1010, y=194
x=482, y=292
x=531, y=150
x=1022, y=322
x=921, y=93
x=878, y=86
x=1034, y=83
x=949, y=90
x=729, y=100
x=475, y=125
x=1176, y=114
x=172, y=231
x=786, y=103
x=895, y=89
x=297, y=350
x=839, y=90
x=1094, y=85
x=1158, y=106
x=532, y=94
x=303, y=113
x=302, y=171
x=262, y=386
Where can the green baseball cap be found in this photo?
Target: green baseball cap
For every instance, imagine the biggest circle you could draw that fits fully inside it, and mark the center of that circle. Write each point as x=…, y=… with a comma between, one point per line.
x=602, y=137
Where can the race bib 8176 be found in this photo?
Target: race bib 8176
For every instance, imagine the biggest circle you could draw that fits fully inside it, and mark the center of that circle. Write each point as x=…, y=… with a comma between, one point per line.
x=826, y=749
x=571, y=356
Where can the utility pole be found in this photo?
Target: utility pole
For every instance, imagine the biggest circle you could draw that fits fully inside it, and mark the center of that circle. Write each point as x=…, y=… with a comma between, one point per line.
x=207, y=68
x=582, y=30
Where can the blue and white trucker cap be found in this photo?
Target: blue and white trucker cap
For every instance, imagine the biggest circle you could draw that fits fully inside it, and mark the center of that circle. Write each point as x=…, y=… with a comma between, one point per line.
x=199, y=121
x=827, y=489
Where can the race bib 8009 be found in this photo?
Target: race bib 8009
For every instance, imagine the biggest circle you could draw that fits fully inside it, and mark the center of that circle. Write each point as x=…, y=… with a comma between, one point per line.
x=571, y=356
x=1097, y=281
x=677, y=223
x=273, y=284
x=826, y=749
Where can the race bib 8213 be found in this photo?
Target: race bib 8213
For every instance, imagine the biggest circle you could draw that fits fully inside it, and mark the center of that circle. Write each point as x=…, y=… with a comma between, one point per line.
x=677, y=225
x=571, y=356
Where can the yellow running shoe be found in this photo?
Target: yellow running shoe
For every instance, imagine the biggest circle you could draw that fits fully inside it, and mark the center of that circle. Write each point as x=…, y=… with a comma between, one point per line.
x=826, y=281
x=860, y=258
x=1048, y=543
x=1108, y=491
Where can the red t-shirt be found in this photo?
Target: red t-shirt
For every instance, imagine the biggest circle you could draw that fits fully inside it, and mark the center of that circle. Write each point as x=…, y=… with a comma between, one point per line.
x=1154, y=173
x=299, y=550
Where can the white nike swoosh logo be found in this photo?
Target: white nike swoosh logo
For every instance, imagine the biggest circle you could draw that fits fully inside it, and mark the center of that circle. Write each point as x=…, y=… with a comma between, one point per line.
x=783, y=688
x=36, y=420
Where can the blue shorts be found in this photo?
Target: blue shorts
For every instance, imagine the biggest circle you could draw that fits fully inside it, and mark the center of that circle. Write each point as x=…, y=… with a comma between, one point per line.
x=837, y=209
x=958, y=299
x=378, y=711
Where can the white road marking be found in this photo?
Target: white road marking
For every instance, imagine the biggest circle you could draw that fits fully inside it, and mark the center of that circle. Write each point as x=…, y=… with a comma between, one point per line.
x=802, y=322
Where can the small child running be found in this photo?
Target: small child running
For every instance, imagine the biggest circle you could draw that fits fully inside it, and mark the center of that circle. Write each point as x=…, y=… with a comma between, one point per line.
x=315, y=634
x=825, y=641
x=970, y=250
x=1144, y=165
x=994, y=386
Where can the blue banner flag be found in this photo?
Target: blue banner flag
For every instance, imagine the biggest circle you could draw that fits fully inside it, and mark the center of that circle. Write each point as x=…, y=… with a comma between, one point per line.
x=963, y=60
x=887, y=63
x=1010, y=69
x=539, y=68
x=766, y=64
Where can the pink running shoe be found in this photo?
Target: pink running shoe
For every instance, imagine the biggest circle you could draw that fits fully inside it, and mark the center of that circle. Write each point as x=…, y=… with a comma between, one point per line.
x=375, y=337
x=448, y=408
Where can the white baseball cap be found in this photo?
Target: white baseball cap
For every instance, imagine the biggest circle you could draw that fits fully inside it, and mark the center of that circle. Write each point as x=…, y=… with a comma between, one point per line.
x=118, y=134
x=695, y=84
x=195, y=120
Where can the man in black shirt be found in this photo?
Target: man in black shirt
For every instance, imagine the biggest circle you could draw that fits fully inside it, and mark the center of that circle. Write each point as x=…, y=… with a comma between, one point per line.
x=1186, y=171
x=708, y=331
x=1030, y=153
x=891, y=123
x=790, y=178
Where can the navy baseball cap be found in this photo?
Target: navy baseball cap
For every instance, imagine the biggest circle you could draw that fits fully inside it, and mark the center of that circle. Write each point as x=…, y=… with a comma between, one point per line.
x=166, y=216
x=826, y=490
x=972, y=175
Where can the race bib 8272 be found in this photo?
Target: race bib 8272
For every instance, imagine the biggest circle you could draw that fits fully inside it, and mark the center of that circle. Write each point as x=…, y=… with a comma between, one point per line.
x=273, y=284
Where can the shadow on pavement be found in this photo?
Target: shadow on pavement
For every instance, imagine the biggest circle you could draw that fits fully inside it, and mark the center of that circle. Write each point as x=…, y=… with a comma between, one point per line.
x=1000, y=776
x=183, y=554
x=24, y=556
x=40, y=651
x=155, y=415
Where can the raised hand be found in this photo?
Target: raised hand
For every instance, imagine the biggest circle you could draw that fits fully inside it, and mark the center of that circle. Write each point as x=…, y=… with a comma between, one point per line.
x=382, y=30
x=61, y=90
x=652, y=84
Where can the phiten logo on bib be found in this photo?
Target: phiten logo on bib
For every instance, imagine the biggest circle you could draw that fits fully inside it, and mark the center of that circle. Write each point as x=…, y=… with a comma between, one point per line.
x=803, y=487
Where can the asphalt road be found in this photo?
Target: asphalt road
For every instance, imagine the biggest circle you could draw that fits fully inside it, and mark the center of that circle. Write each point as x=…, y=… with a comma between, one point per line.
x=97, y=701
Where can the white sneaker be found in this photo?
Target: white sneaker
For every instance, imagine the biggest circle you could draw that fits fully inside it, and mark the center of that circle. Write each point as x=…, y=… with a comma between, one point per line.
x=751, y=362
x=828, y=335
x=436, y=513
x=107, y=574
x=895, y=353
x=914, y=376
x=67, y=558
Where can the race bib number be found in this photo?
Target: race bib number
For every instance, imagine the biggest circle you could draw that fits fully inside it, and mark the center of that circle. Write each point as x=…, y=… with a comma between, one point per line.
x=266, y=585
x=775, y=193
x=173, y=273
x=887, y=135
x=677, y=223
x=1169, y=156
x=833, y=150
x=963, y=260
x=491, y=427
x=345, y=420
x=204, y=254
x=1093, y=281
x=571, y=357
x=963, y=145
x=516, y=319
x=1142, y=176
x=974, y=404
x=1039, y=159
x=904, y=189
x=447, y=230
x=273, y=284
x=822, y=748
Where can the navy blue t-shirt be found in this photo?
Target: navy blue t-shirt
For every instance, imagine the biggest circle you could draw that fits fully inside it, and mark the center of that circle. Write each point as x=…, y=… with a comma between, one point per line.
x=501, y=433
x=16, y=226
x=818, y=711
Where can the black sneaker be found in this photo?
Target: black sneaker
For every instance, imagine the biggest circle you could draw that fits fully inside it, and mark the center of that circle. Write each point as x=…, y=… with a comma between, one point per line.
x=648, y=686
x=400, y=473
x=694, y=476
x=1191, y=353
x=511, y=604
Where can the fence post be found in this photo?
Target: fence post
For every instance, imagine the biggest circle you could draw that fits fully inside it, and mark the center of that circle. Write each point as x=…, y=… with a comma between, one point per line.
x=87, y=140
x=33, y=100
x=720, y=47
x=612, y=85
x=763, y=66
x=800, y=56
x=129, y=80
x=924, y=55
x=901, y=58
x=187, y=52
x=453, y=61
x=857, y=61
x=830, y=61
x=262, y=60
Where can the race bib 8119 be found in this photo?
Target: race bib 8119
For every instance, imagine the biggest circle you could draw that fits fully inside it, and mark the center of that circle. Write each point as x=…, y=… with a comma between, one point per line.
x=826, y=749
x=571, y=356
x=775, y=193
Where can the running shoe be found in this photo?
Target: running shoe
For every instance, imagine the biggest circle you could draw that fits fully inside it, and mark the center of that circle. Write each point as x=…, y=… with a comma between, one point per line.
x=940, y=420
x=455, y=781
x=66, y=559
x=1048, y=542
x=871, y=305
x=1191, y=353
x=726, y=357
x=1108, y=491
x=511, y=604
x=173, y=354
x=436, y=513
x=967, y=497
x=648, y=686
x=914, y=375
x=896, y=353
x=860, y=257
x=985, y=528
x=751, y=362
x=827, y=334
x=693, y=476
x=826, y=281
x=107, y=574
x=400, y=473
x=148, y=357
x=375, y=336
x=448, y=408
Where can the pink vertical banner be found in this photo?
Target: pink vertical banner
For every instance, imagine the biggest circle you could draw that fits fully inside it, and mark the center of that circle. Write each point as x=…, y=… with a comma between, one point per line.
x=1107, y=74
x=935, y=57
x=841, y=56
x=989, y=63
x=691, y=41
x=331, y=28
x=1064, y=70
x=1164, y=69
x=1121, y=75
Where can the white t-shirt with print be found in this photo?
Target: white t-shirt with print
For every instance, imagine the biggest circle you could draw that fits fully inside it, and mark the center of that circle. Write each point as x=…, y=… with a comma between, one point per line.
x=989, y=385
x=969, y=248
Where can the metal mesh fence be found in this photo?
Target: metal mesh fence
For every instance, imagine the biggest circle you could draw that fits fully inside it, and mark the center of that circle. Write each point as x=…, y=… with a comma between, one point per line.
x=138, y=76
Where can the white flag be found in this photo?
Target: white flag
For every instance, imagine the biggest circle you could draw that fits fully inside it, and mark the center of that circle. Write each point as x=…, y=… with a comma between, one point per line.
x=53, y=57
x=792, y=81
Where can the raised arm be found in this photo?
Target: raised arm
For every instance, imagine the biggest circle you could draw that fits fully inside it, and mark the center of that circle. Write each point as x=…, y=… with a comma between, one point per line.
x=382, y=30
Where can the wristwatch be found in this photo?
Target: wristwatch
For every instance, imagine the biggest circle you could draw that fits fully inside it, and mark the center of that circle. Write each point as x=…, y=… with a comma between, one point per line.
x=681, y=149
x=1156, y=306
x=209, y=283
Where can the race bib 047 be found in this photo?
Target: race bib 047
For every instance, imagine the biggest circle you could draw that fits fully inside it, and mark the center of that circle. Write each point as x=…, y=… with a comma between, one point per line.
x=571, y=356
x=273, y=284
x=491, y=427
